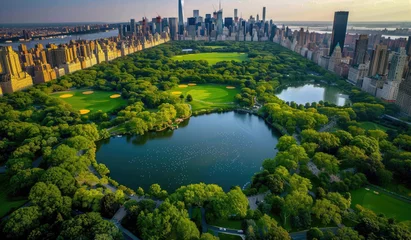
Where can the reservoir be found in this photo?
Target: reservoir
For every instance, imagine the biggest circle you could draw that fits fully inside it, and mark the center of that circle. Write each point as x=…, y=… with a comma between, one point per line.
x=221, y=148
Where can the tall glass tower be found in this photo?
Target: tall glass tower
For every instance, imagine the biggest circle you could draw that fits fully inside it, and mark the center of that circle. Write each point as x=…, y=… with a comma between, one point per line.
x=180, y=17
x=339, y=30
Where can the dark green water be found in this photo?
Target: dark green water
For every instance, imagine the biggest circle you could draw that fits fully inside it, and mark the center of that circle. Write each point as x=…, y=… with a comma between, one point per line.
x=301, y=94
x=225, y=149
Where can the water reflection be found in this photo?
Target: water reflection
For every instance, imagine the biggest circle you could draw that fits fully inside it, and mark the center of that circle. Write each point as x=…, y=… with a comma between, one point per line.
x=226, y=149
x=308, y=93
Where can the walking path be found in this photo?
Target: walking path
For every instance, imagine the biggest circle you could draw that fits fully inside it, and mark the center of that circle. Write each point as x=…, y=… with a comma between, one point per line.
x=302, y=235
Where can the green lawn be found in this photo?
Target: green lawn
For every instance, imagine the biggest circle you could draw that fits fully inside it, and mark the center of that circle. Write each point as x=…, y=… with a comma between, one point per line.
x=5, y=202
x=372, y=126
x=99, y=100
x=382, y=203
x=213, y=58
x=223, y=236
x=227, y=223
x=208, y=96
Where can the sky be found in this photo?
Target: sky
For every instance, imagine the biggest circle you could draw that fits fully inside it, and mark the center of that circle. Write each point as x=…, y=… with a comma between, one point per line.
x=56, y=11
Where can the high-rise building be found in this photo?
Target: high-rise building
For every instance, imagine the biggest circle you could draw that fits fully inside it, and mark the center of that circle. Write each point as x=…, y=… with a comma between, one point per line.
x=220, y=21
x=236, y=15
x=360, y=53
x=264, y=9
x=301, y=35
x=12, y=77
x=191, y=27
x=404, y=96
x=159, y=26
x=173, y=23
x=196, y=13
x=397, y=65
x=133, y=26
x=408, y=48
x=180, y=17
x=379, y=61
x=339, y=30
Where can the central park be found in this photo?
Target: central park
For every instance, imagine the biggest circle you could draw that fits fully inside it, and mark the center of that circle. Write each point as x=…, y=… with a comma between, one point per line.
x=232, y=140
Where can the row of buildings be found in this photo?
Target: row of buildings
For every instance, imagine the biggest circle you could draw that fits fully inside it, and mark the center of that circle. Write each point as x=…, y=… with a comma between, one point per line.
x=19, y=70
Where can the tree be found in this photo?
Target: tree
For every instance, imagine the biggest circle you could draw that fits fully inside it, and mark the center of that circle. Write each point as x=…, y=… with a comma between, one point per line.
x=403, y=142
x=88, y=199
x=109, y=205
x=325, y=211
x=369, y=145
x=183, y=110
x=155, y=191
x=189, y=98
x=23, y=180
x=314, y=233
x=285, y=142
x=237, y=202
x=345, y=137
x=269, y=165
x=275, y=183
x=140, y=191
x=294, y=202
x=326, y=162
x=377, y=134
x=300, y=184
x=47, y=197
x=186, y=229
x=269, y=229
x=22, y=221
x=61, y=178
x=208, y=236
x=347, y=233
x=89, y=226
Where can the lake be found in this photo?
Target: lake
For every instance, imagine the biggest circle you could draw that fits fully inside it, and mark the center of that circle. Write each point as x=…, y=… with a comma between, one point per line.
x=301, y=94
x=221, y=148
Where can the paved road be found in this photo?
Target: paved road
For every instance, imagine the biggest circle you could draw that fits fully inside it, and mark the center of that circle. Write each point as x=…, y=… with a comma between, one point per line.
x=227, y=231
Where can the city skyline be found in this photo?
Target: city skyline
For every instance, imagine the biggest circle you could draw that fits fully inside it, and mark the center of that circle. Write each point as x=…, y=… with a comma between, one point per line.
x=47, y=11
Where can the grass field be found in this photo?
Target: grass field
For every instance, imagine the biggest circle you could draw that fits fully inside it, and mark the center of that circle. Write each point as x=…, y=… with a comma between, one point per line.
x=213, y=58
x=223, y=236
x=382, y=203
x=207, y=96
x=95, y=101
x=5, y=202
x=372, y=126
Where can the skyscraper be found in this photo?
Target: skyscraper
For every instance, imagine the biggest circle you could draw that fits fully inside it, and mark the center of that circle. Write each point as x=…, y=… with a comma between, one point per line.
x=173, y=28
x=360, y=53
x=397, y=65
x=408, y=48
x=220, y=21
x=339, y=30
x=180, y=17
x=264, y=9
x=379, y=60
x=133, y=26
x=196, y=13
x=236, y=15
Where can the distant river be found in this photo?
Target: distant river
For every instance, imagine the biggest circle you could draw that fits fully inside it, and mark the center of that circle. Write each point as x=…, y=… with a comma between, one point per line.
x=225, y=149
x=301, y=94
x=63, y=39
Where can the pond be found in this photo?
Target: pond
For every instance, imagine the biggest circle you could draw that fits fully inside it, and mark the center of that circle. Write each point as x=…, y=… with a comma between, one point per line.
x=301, y=94
x=221, y=148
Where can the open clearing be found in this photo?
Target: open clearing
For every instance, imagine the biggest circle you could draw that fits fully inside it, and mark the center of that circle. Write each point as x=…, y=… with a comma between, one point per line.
x=98, y=100
x=7, y=203
x=382, y=203
x=207, y=96
x=213, y=58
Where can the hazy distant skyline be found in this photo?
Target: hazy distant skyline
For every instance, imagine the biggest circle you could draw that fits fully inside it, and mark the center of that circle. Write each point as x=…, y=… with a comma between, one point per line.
x=54, y=11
